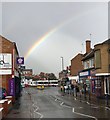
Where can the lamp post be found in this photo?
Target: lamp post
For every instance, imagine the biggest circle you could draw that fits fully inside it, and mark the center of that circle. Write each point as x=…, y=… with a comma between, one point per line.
x=62, y=63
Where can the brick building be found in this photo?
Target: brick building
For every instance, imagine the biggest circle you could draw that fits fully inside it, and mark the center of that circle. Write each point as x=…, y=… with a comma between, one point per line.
x=76, y=65
x=102, y=66
x=27, y=73
x=76, y=62
x=9, y=70
x=96, y=72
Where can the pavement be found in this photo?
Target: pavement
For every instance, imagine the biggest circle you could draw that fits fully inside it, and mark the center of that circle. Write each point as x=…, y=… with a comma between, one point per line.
x=89, y=99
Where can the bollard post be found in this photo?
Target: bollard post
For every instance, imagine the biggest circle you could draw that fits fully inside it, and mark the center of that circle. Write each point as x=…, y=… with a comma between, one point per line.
x=80, y=96
x=107, y=104
x=89, y=96
x=85, y=95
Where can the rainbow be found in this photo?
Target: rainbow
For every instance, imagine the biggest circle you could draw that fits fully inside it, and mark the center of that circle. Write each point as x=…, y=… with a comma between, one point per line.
x=49, y=33
x=39, y=42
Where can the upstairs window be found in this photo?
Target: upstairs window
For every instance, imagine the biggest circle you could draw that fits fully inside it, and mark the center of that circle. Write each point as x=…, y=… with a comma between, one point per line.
x=97, y=59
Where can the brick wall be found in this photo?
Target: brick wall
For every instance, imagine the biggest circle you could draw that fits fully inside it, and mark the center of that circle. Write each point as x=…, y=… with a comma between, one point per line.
x=6, y=45
x=76, y=64
x=105, y=58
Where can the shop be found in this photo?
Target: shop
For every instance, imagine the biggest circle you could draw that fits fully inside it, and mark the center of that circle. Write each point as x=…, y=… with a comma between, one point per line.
x=103, y=84
x=89, y=78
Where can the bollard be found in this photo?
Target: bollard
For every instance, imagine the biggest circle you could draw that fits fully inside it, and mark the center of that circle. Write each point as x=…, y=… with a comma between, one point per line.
x=89, y=96
x=80, y=97
x=84, y=95
x=107, y=104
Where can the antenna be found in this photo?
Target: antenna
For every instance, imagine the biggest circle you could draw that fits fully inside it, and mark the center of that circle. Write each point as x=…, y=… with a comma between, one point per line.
x=91, y=38
x=82, y=48
x=90, y=35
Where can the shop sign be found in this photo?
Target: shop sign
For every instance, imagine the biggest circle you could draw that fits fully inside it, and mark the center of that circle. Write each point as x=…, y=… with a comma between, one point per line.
x=5, y=72
x=83, y=74
x=5, y=60
x=12, y=87
x=20, y=60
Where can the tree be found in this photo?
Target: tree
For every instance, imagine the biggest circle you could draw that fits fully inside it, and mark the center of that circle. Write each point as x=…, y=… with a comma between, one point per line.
x=51, y=76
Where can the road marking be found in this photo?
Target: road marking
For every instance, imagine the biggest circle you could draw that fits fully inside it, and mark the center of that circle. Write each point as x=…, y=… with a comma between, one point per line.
x=107, y=108
x=36, y=111
x=80, y=107
x=56, y=99
x=66, y=106
x=61, y=103
x=75, y=99
x=84, y=114
x=88, y=103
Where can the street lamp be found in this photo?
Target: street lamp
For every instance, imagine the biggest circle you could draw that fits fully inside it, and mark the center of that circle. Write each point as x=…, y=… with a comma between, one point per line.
x=62, y=63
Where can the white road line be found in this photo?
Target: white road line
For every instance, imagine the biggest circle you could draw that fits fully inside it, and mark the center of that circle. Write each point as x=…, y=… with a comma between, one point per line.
x=61, y=103
x=107, y=108
x=67, y=106
x=84, y=114
x=75, y=99
x=88, y=103
x=36, y=111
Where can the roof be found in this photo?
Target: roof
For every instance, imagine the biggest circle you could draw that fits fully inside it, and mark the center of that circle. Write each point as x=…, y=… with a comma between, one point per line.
x=107, y=41
x=79, y=54
x=89, y=55
x=15, y=47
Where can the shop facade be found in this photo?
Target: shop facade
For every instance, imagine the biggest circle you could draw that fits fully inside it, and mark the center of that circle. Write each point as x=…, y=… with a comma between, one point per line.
x=88, y=77
x=9, y=70
x=102, y=66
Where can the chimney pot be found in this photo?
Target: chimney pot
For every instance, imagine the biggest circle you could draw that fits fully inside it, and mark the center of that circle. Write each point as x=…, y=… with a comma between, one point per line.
x=88, y=46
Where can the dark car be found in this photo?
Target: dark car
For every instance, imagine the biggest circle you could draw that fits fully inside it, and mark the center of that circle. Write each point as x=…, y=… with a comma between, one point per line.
x=3, y=93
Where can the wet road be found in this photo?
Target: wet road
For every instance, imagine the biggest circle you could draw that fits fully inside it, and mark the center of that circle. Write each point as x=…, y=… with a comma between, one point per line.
x=49, y=103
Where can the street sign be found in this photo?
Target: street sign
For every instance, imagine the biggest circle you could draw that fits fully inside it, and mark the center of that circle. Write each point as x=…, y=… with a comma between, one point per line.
x=20, y=60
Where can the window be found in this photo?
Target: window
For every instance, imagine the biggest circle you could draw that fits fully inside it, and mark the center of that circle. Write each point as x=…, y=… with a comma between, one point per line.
x=91, y=63
x=85, y=64
x=97, y=59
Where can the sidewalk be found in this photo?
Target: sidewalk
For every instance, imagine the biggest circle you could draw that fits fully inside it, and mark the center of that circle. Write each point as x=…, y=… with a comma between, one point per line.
x=89, y=99
x=22, y=108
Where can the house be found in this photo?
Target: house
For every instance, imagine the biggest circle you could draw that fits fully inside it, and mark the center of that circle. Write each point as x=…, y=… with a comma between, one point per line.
x=102, y=66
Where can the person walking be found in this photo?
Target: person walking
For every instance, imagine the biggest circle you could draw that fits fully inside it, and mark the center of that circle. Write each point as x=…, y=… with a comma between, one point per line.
x=72, y=89
x=84, y=88
x=75, y=90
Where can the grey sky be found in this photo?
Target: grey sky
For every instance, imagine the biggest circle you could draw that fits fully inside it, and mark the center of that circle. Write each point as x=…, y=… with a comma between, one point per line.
x=25, y=23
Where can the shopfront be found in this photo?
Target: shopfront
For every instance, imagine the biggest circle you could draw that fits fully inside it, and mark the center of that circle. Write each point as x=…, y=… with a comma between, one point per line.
x=103, y=83
x=89, y=78
x=84, y=77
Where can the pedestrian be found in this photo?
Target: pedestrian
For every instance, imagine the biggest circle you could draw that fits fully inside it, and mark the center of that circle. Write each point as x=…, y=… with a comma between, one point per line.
x=69, y=88
x=75, y=90
x=72, y=88
x=84, y=88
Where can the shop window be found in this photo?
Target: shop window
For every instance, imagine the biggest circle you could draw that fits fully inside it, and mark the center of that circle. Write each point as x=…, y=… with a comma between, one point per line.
x=98, y=83
x=107, y=85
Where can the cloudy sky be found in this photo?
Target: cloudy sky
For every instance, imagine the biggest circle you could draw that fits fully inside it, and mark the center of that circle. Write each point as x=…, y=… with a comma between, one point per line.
x=45, y=31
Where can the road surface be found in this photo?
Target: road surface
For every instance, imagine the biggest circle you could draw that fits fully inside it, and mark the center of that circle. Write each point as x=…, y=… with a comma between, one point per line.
x=50, y=103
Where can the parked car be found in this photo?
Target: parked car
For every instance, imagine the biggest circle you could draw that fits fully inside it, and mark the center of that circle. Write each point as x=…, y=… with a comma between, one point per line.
x=3, y=93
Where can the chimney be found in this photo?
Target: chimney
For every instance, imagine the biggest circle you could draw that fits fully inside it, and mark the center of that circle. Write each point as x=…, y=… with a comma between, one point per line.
x=88, y=46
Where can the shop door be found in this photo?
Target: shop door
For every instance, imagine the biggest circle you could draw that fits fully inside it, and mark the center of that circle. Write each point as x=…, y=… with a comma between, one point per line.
x=107, y=85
